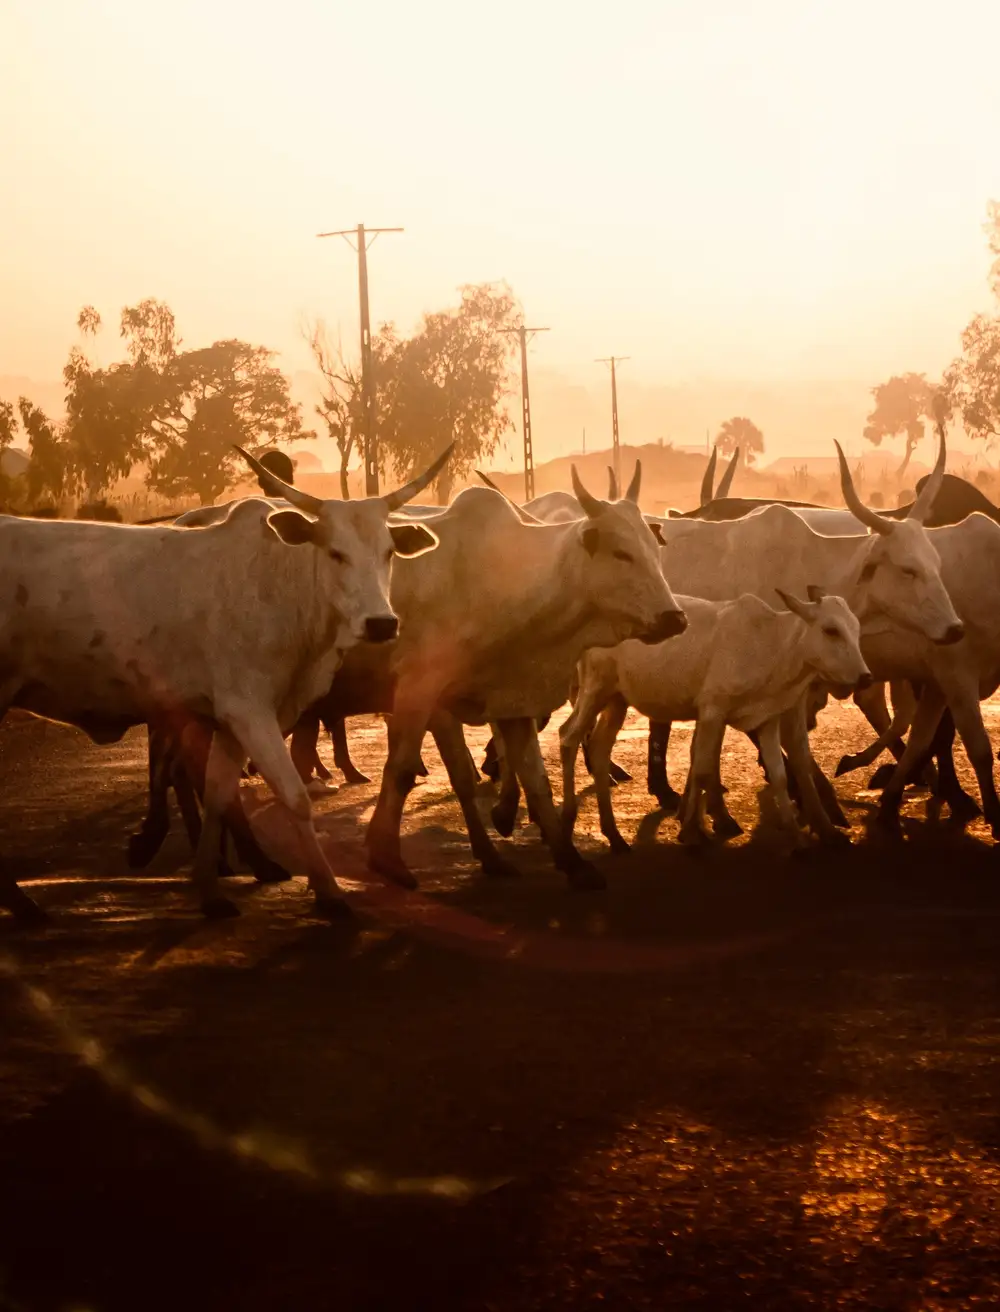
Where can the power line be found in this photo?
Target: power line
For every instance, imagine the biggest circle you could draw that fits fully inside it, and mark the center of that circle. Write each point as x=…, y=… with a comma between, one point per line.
x=529, y=455
x=361, y=235
x=612, y=360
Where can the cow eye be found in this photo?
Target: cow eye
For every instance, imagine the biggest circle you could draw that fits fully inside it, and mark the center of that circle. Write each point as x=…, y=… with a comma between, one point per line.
x=623, y=555
x=909, y=573
x=830, y=631
x=869, y=571
x=338, y=556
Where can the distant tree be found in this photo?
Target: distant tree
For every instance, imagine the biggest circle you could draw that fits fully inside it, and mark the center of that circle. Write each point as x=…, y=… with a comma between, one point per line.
x=49, y=471
x=223, y=395
x=742, y=433
x=992, y=227
x=447, y=383
x=181, y=411
x=902, y=405
x=340, y=407
x=972, y=382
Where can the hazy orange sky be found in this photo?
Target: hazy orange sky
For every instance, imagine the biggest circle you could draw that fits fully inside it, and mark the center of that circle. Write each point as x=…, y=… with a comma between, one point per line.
x=779, y=189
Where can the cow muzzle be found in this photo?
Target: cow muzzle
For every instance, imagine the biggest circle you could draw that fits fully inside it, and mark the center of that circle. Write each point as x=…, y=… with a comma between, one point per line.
x=668, y=625
x=952, y=634
x=381, y=628
x=866, y=681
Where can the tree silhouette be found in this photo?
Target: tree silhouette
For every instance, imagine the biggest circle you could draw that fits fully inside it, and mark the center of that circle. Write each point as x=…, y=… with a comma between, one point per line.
x=902, y=404
x=182, y=411
x=340, y=408
x=445, y=384
x=743, y=433
x=972, y=381
x=49, y=472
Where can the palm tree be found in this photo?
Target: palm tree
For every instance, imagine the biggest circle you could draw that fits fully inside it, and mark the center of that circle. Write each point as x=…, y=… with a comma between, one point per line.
x=743, y=433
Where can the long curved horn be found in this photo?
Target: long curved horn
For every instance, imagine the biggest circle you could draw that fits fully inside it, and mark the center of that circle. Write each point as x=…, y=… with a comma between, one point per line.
x=590, y=505
x=726, y=482
x=708, y=478
x=632, y=491
x=853, y=502
x=276, y=487
x=612, y=485
x=924, y=503
x=408, y=491
x=525, y=516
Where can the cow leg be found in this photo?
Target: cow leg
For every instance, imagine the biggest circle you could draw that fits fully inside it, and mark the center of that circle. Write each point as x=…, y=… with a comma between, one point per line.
x=961, y=806
x=222, y=780
x=575, y=730
x=337, y=730
x=461, y=769
x=769, y=736
x=521, y=742
x=602, y=740
x=261, y=737
x=925, y=722
x=148, y=839
x=706, y=742
x=504, y=812
x=964, y=705
x=795, y=738
x=491, y=762
x=406, y=733
x=657, y=783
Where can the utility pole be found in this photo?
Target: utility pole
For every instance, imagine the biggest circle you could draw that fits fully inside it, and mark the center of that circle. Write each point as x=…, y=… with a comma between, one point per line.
x=612, y=360
x=529, y=455
x=361, y=235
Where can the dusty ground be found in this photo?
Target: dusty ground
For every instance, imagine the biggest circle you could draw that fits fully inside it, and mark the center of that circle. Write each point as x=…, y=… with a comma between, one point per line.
x=733, y=1080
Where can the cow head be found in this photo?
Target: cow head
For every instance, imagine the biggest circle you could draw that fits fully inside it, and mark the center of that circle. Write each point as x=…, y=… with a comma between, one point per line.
x=353, y=545
x=830, y=645
x=900, y=574
x=621, y=570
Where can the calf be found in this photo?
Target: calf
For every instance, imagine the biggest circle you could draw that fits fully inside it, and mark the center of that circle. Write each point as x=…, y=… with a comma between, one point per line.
x=740, y=663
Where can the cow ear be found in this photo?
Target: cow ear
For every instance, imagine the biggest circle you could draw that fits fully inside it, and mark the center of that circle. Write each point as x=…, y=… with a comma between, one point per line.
x=291, y=527
x=412, y=539
x=815, y=592
x=591, y=540
x=657, y=533
x=797, y=607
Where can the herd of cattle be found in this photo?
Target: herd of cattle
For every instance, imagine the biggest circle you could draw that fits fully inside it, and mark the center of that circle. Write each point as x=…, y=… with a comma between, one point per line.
x=234, y=626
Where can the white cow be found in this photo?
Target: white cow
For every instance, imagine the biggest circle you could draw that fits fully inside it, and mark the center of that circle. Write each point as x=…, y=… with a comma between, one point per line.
x=242, y=624
x=491, y=631
x=738, y=662
x=891, y=578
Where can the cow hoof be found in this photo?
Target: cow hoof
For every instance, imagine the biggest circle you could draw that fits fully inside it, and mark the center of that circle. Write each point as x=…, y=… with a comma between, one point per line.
x=618, y=844
x=844, y=766
x=963, y=810
x=888, y=824
x=271, y=873
x=727, y=827
x=503, y=820
x=220, y=908
x=330, y=907
x=392, y=868
x=669, y=803
x=24, y=909
x=834, y=838
x=141, y=850
x=224, y=870
x=353, y=776
x=881, y=777
x=585, y=877
x=494, y=866
x=320, y=788
x=617, y=774
x=692, y=837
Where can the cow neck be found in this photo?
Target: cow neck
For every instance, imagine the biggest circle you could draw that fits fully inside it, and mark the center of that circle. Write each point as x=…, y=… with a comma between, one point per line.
x=554, y=609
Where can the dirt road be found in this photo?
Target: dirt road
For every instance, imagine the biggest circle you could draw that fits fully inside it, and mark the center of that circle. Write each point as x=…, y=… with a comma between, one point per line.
x=733, y=1080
